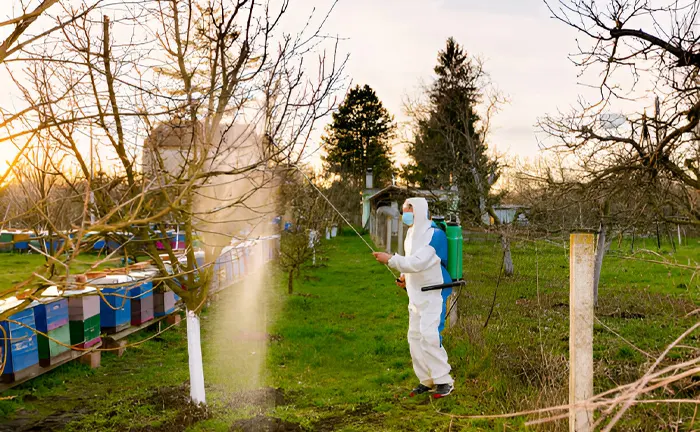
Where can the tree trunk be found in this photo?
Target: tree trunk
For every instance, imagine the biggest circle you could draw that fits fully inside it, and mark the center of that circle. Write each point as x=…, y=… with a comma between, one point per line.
x=290, y=282
x=634, y=231
x=507, y=258
x=48, y=243
x=194, y=351
x=658, y=237
x=601, y=248
x=670, y=238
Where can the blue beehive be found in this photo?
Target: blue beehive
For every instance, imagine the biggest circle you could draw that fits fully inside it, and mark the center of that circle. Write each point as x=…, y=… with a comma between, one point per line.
x=99, y=245
x=115, y=307
x=56, y=243
x=143, y=285
x=51, y=315
x=113, y=245
x=20, y=342
x=21, y=241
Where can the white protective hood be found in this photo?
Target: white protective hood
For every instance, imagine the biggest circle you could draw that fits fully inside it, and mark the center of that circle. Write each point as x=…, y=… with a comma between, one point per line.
x=419, y=234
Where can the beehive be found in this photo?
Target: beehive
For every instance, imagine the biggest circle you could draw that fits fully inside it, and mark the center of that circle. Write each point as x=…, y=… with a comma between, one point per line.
x=115, y=306
x=20, y=342
x=84, y=317
x=51, y=317
x=142, y=299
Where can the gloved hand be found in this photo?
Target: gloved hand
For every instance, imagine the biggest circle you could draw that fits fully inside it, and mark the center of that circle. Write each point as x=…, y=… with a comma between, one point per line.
x=382, y=257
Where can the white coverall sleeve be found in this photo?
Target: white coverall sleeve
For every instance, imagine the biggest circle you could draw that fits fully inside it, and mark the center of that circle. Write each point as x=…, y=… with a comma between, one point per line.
x=418, y=262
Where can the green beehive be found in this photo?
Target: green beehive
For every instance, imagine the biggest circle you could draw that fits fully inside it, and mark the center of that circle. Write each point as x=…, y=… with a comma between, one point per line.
x=57, y=343
x=6, y=241
x=454, y=250
x=85, y=331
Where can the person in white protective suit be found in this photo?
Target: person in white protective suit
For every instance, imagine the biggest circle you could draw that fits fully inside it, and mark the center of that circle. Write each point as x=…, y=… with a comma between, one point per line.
x=423, y=266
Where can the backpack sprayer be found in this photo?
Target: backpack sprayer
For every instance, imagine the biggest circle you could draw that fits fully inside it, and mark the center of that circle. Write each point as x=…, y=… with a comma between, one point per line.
x=454, y=253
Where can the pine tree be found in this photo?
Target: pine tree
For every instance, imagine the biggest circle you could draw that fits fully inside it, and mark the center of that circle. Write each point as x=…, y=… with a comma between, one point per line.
x=449, y=149
x=358, y=138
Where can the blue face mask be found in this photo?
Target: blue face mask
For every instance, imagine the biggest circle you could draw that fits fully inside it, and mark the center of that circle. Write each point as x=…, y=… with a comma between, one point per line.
x=407, y=218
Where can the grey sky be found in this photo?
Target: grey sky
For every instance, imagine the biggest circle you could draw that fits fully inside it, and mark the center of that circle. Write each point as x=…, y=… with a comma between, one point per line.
x=394, y=43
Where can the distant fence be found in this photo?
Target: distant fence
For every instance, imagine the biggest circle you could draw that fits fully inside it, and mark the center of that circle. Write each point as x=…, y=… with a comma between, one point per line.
x=479, y=236
x=237, y=262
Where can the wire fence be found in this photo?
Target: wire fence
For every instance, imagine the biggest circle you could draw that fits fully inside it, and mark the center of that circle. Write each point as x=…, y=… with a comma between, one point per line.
x=516, y=328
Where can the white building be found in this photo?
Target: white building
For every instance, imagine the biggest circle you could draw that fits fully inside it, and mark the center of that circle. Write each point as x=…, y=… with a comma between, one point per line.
x=233, y=187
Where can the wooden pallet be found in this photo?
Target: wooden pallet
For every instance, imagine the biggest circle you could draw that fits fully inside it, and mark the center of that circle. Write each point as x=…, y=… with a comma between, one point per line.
x=131, y=330
x=118, y=329
x=55, y=359
x=36, y=370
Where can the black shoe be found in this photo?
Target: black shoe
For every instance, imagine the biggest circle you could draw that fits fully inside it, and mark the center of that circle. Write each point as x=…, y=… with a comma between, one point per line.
x=443, y=390
x=419, y=390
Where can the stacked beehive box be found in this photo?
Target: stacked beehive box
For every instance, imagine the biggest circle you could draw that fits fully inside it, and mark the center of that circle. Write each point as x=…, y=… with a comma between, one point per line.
x=84, y=317
x=51, y=317
x=115, y=307
x=19, y=347
x=142, y=298
x=163, y=302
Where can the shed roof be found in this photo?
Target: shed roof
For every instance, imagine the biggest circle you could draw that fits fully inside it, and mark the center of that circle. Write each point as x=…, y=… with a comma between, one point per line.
x=426, y=193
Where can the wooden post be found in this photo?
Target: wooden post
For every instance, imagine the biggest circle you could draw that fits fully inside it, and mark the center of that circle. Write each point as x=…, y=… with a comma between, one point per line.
x=388, y=234
x=91, y=359
x=173, y=319
x=581, y=280
x=452, y=308
x=115, y=346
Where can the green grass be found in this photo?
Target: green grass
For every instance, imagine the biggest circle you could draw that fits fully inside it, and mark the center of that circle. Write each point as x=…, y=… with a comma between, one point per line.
x=16, y=268
x=340, y=355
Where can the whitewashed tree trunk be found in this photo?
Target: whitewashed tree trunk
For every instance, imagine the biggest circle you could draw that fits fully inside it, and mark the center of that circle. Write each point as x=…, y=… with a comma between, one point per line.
x=194, y=350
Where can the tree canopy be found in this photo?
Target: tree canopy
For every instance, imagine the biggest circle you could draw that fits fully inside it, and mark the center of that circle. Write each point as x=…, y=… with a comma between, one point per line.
x=359, y=138
x=449, y=149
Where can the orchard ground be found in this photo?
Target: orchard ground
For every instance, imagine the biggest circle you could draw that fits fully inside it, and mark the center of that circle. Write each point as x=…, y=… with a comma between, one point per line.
x=337, y=356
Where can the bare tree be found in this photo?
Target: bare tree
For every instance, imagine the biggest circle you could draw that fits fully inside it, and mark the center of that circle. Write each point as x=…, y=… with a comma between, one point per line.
x=631, y=165
x=20, y=24
x=222, y=96
x=310, y=215
x=40, y=198
x=635, y=47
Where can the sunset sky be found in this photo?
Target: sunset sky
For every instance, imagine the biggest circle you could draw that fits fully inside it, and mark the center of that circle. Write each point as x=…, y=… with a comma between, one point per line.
x=393, y=47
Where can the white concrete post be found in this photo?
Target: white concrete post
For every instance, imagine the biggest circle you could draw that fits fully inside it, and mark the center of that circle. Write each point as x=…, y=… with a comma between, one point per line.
x=679, y=235
x=401, y=251
x=581, y=281
x=388, y=234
